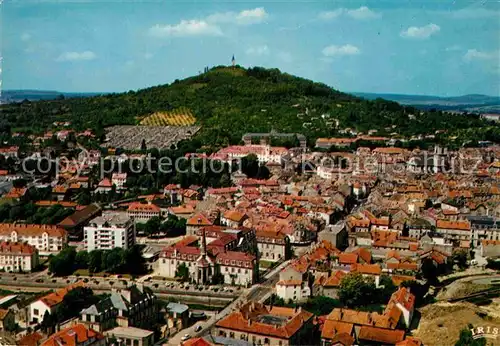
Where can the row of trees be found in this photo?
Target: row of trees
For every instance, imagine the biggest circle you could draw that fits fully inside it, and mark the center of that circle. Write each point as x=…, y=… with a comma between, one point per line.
x=33, y=214
x=115, y=261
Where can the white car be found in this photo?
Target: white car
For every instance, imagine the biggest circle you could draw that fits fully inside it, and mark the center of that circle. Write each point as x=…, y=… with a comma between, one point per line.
x=186, y=337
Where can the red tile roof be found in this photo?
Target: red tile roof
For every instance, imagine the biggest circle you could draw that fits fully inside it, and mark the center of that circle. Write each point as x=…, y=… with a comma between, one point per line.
x=57, y=297
x=73, y=336
x=379, y=335
x=348, y=258
x=16, y=248
x=332, y=328
x=246, y=320
x=31, y=230
x=143, y=207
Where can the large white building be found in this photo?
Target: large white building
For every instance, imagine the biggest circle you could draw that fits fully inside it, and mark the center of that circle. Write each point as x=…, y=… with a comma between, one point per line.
x=264, y=153
x=110, y=230
x=18, y=257
x=47, y=239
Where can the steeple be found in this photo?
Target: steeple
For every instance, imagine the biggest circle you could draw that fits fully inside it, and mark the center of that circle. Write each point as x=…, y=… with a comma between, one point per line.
x=233, y=61
x=203, y=251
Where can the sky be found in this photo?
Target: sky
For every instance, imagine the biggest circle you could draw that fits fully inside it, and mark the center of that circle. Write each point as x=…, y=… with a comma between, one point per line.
x=443, y=48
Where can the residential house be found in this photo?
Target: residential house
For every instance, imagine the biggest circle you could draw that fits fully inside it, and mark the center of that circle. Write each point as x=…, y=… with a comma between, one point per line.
x=272, y=245
x=18, y=257
x=77, y=335
x=233, y=218
x=47, y=239
x=142, y=212
x=131, y=307
x=49, y=302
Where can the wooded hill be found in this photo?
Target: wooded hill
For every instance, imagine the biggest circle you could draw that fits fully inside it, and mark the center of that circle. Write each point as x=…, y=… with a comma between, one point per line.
x=229, y=102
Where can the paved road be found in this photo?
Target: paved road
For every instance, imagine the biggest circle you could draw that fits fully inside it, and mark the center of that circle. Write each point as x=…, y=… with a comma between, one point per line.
x=258, y=292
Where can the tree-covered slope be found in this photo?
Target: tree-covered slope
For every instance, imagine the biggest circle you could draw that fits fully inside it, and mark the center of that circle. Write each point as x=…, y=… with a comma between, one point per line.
x=228, y=102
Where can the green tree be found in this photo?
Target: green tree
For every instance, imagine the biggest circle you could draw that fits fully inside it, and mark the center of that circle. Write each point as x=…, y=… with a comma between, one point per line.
x=152, y=226
x=356, y=290
x=82, y=260
x=63, y=263
x=459, y=257
x=95, y=261
x=182, y=272
x=429, y=271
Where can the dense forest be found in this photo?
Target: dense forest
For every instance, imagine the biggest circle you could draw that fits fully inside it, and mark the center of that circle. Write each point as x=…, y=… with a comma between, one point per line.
x=229, y=102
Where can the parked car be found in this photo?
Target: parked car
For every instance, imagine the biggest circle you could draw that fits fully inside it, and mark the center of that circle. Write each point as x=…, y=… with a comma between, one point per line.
x=198, y=328
x=186, y=337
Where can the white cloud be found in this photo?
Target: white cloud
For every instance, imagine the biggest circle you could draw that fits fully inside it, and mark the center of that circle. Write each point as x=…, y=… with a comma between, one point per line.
x=359, y=13
x=327, y=15
x=256, y=15
x=362, y=13
x=76, y=56
x=347, y=49
x=421, y=32
x=209, y=26
x=474, y=54
x=186, y=28
x=245, y=17
x=453, y=48
x=25, y=37
x=259, y=50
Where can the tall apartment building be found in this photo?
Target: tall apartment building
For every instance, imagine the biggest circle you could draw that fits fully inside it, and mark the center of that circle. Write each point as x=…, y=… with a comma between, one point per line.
x=110, y=230
x=47, y=239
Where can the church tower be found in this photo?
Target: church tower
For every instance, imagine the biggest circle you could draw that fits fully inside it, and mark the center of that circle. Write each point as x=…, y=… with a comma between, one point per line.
x=203, y=265
x=233, y=61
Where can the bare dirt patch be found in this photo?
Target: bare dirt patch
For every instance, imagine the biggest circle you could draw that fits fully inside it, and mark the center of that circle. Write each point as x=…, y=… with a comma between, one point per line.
x=440, y=323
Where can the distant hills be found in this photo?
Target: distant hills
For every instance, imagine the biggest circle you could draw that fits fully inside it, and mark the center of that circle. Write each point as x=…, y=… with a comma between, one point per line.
x=466, y=103
x=470, y=103
x=8, y=96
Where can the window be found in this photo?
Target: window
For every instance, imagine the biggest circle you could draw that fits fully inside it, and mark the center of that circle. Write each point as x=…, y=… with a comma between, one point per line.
x=36, y=312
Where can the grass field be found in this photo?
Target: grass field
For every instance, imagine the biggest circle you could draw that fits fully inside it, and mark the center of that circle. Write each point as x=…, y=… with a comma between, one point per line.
x=181, y=116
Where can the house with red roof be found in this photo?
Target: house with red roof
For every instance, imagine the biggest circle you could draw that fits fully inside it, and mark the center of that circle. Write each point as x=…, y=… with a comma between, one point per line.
x=18, y=257
x=142, y=212
x=260, y=324
x=104, y=186
x=77, y=335
x=49, y=302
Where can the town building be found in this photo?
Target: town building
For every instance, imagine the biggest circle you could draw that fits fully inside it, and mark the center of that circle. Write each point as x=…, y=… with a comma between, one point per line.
x=18, y=257
x=49, y=302
x=77, y=335
x=108, y=231
x=204, y=259
x=47, y=239
x=131, y=336
x=131, y=307
x=142, y=212
x=273, y=245
x=263, y=325
x=119, y=180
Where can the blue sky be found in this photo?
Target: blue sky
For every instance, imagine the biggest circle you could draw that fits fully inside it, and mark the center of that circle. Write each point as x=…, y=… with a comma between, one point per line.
x=441, y=47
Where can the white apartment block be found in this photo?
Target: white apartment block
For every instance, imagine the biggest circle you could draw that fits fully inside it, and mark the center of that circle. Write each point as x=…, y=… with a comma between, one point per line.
x=47, y=239
x=110, y=230
x=18, y=257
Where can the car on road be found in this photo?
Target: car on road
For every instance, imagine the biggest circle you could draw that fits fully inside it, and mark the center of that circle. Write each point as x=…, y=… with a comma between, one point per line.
x=198, y=328
x=186, y=337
